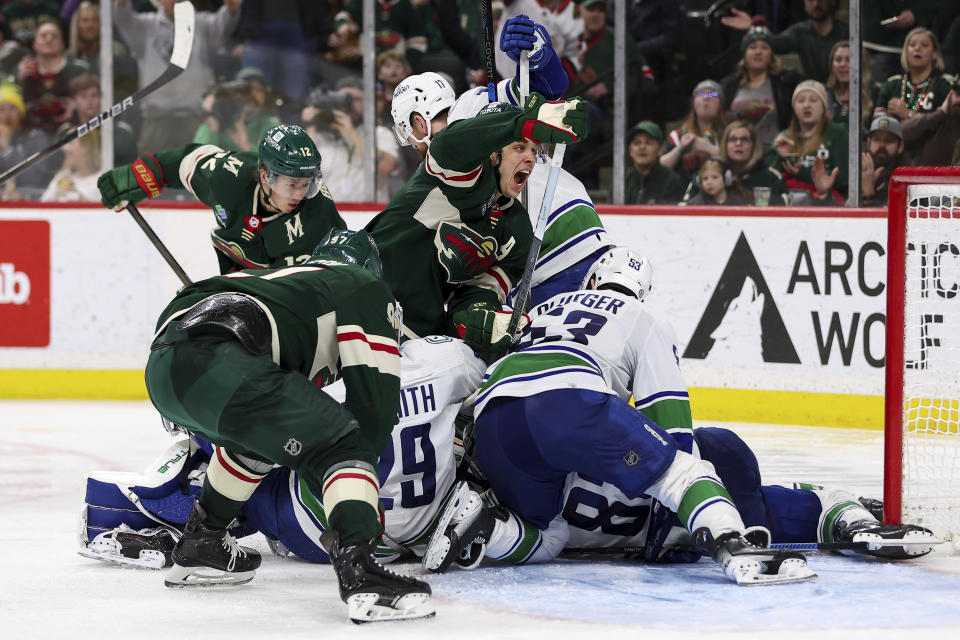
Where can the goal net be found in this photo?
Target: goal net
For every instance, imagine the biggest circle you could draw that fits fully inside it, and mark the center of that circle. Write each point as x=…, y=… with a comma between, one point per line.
x=922, y=430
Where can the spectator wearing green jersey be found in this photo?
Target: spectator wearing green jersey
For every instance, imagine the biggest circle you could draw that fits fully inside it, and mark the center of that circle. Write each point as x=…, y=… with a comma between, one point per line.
x=809, y=137
x=923, y=85
x=838, y=86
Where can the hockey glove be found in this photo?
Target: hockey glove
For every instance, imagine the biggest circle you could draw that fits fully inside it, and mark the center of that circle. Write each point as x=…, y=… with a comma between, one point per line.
x=520, y=33
x=485, y=329
x=543, y=121
x=142, y=179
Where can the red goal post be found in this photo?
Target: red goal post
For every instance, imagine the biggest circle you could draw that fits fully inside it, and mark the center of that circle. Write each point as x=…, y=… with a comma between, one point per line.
x=922, y=403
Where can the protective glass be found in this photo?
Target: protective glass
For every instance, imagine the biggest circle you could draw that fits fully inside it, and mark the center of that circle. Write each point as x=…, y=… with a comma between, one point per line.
x=294, y=188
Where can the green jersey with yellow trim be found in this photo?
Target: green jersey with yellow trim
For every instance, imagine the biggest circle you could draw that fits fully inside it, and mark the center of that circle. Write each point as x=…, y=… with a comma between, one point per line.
x=327, y=322
x=247, y=236
x=446, y=238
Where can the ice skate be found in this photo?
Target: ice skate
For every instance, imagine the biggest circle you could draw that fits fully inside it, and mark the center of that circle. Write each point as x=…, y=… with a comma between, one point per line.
x=209, y=557
x=372, y=592
x=748, y=564
x=462, y=532
x=891, y=541
x=145, y=549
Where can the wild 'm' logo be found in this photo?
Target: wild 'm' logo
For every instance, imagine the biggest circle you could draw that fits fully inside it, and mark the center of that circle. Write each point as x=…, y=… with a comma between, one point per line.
x=464, y=253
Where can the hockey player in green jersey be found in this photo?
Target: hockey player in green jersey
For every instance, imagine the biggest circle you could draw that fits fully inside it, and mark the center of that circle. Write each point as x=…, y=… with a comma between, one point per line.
x=455, y=239
x=271, y=208
x=239, y=359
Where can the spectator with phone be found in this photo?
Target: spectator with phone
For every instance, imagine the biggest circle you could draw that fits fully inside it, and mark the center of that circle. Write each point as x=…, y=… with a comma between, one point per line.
x=810, y=39
x=811, y=136
x=934, y=135
x=885, y=24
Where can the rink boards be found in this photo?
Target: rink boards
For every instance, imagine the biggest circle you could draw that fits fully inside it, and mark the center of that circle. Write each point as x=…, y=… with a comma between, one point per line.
x=778, y=313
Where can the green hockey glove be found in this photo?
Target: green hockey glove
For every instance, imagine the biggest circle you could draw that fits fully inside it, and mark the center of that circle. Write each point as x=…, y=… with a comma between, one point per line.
x=142, y=179
x=485, y=329
x=560, y=122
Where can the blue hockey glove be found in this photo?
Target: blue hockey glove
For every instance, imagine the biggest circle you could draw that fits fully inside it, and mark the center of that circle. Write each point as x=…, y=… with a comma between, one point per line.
x=520, y=33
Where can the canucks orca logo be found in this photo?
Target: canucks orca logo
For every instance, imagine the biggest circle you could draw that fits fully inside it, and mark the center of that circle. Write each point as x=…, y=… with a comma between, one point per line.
x=464, y=253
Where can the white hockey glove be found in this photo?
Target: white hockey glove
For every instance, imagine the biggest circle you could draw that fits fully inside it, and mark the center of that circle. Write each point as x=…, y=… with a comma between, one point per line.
x=542, y=121
x=485, y=329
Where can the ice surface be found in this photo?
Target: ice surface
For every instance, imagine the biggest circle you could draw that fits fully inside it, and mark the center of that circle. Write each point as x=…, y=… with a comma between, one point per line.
x=48, y=591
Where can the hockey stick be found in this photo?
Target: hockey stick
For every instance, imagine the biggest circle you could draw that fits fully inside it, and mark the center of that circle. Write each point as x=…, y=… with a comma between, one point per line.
x=486, y=20
x=523, y=289
x=155, y=240
x=626, y=552
x=183, y=19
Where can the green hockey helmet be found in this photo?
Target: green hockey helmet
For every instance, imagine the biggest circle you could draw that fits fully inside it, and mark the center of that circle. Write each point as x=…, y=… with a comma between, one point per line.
x=291, y=160
x=349, y=247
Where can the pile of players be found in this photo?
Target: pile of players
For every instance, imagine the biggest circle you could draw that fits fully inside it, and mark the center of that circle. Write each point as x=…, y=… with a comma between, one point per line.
x=325, y=390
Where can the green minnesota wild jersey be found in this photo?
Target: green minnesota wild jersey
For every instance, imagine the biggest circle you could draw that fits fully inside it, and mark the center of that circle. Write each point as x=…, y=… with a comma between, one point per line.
x=833, y=150
x=925, y=97
x=420, y=234
x=327, y=322
x=246, y=235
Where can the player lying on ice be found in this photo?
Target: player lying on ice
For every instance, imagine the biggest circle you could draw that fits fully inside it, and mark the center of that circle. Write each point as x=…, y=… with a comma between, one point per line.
x=417, y=477
x=575, y=465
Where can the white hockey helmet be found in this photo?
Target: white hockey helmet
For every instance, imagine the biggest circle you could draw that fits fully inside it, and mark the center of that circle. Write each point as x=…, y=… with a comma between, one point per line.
x=425, y=93
x=623, y=270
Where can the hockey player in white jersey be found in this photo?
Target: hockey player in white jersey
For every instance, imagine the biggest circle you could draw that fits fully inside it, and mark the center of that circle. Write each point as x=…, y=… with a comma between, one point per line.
x=559, y=405
x=134, y=518
x=596, y=343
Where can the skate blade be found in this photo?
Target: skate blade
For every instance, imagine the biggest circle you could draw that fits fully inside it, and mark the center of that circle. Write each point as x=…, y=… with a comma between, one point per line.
x=148, y=559
x=363, y=608
x=190, y=577
x=437, y=557
x=912, y=543
x=750, y=573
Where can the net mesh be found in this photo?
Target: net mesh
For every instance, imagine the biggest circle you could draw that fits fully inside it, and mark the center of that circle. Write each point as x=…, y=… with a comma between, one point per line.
x=931, y=376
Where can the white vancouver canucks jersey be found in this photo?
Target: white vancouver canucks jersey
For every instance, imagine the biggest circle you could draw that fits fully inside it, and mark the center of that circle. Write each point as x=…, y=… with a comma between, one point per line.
x=603, y=341
x=437, y=374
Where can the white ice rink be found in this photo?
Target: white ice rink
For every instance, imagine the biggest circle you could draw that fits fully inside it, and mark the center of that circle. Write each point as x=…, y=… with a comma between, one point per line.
x=48, y=591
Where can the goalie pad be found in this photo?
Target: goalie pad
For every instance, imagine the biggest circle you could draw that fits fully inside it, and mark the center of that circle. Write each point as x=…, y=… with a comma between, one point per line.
x=141, y=500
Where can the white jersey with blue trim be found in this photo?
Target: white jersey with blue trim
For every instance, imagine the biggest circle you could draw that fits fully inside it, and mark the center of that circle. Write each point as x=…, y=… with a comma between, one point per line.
x=417, y=471
x=574, y=230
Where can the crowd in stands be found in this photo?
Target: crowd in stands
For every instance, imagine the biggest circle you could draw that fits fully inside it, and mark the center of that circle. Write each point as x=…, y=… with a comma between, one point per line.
x=735, y=103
